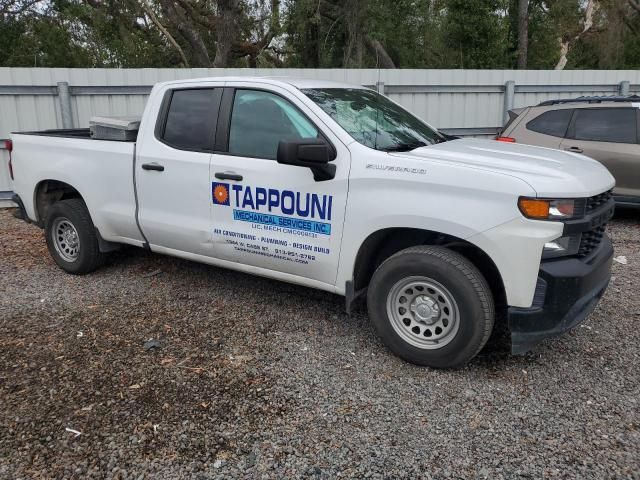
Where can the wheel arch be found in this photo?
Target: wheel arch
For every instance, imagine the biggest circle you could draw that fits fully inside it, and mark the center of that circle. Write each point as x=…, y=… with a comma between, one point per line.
x=382, y=244
x=49, y=191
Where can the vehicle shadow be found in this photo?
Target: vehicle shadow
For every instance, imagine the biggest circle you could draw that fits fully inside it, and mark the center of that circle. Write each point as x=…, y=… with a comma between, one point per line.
x=627, y=213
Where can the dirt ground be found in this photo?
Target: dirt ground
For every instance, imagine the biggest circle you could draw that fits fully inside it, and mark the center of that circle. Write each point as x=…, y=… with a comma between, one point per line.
x=252, y=378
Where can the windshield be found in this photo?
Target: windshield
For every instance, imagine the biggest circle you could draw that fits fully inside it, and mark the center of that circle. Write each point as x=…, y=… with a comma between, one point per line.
x=373, y=120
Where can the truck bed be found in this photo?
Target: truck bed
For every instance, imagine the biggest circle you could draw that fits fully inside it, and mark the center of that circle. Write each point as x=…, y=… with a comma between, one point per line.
x=83, y=133
x=101, y=171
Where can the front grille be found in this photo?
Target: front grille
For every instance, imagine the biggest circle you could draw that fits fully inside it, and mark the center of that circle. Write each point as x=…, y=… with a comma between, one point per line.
x=591, y=239
x=593, y=203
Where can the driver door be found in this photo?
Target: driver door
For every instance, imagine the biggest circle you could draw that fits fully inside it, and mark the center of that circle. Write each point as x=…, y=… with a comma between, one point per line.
x=266, y=214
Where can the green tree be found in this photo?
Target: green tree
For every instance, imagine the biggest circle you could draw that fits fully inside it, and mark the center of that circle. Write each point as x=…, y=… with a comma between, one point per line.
x=319, y=33
x=475, y=33
x=41, y=38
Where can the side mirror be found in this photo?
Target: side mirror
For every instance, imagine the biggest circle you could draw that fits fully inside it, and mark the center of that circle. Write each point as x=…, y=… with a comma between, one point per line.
x=312, y=153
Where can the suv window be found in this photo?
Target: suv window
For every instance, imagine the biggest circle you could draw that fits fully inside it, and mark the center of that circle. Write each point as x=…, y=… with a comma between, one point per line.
x=553, y=122
x=191, y=118
x=260, y=120
x=616, y=125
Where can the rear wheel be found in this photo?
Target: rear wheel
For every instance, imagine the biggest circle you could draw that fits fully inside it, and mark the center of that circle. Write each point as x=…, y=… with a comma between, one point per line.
x=431, y=306
x=71, y=237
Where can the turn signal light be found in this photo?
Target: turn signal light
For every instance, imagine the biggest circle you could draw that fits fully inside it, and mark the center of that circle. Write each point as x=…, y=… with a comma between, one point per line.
x=549, y=208
x=506, y=139
x=534, y=208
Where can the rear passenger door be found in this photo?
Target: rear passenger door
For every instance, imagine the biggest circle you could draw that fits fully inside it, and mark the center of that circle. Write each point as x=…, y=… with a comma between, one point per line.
x=172, y=171
x=609, y=135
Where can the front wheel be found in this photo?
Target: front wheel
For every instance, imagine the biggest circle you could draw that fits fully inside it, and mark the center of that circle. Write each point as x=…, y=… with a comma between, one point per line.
x=71, y=237
x=431, y=306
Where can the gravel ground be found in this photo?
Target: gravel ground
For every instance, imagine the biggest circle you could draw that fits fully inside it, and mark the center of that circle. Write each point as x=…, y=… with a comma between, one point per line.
x=254, y=378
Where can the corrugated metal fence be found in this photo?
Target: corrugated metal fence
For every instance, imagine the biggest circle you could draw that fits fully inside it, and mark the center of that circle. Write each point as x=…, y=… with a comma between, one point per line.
x=463, y=102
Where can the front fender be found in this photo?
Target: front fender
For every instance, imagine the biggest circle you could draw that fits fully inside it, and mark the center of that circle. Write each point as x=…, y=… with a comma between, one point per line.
x=357, y=232
x=515, y=248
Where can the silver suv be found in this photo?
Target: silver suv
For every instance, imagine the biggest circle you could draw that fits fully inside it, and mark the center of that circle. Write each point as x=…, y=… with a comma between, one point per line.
x=604, y=128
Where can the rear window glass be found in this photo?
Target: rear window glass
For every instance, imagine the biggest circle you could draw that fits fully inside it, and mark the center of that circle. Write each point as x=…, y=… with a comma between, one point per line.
x=616, y=125
x=512, y=116
x=553, y=122
x=191, y=118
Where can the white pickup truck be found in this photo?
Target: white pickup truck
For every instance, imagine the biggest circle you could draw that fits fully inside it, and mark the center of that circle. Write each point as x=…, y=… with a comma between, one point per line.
x=336, y=187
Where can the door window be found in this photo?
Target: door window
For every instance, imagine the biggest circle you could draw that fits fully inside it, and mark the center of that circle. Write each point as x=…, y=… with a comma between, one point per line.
x=553, y=122
x=261, y=120
x=616, y=125
x=191, y=119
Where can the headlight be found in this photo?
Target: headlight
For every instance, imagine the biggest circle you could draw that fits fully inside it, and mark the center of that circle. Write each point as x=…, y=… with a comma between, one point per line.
x=562, y=247
x=550, y=209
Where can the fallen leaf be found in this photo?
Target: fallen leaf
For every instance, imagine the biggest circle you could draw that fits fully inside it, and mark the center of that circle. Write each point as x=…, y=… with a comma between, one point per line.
x=621, y=259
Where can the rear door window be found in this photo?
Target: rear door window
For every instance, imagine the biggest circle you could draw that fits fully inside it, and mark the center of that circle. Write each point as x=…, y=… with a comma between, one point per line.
x=617, y=125
x=553, y=122
x=191, y=119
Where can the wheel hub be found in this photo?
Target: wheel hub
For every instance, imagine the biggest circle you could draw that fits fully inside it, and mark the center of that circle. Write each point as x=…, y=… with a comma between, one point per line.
x=65, y=239
x=425, y=309
x=71, y=237
x=423, y=312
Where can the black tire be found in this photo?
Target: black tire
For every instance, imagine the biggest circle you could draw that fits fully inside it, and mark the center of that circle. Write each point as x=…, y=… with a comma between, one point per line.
x=467, y=287
x=88, y=256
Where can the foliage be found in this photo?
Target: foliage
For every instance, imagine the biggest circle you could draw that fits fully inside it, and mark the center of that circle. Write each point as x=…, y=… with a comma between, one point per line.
x=317, y=33
x=474, y=33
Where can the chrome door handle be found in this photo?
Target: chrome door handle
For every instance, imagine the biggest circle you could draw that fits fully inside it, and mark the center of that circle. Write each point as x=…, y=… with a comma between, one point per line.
x=153, y=166
x=228, y=176
x=574, y=149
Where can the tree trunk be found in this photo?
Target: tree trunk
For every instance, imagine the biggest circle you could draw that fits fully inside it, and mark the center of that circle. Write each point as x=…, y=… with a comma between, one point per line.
x=187, y=30
x=564, y=51
x=227, y=11
x=310, y=53
x=382, y=57
x=567, y=43
x=523, y=33
x=165, y=32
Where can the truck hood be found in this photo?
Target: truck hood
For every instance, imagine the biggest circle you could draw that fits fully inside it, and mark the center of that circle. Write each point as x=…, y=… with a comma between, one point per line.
x=551, y=173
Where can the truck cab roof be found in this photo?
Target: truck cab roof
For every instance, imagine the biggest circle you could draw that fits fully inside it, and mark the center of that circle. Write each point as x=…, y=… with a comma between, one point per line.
x=299, y=83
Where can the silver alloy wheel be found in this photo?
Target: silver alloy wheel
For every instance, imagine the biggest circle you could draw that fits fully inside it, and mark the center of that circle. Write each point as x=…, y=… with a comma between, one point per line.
x=423, y=312
x=65, y=239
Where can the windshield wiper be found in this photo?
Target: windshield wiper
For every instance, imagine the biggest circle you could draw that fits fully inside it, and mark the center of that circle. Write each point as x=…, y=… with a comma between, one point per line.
x=446, y=137
x=405, y=147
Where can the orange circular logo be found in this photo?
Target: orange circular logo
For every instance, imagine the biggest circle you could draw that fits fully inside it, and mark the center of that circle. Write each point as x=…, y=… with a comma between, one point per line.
x=221, y=194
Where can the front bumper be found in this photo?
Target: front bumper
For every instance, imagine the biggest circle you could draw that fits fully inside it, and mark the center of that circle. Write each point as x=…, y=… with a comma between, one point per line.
x=566, y=292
